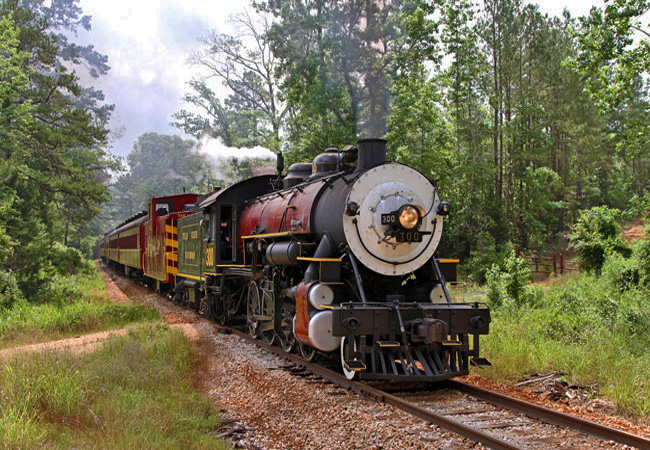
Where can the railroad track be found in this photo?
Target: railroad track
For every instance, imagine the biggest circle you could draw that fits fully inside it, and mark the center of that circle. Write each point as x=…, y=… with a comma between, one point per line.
x=444, y=414
x=490, y=401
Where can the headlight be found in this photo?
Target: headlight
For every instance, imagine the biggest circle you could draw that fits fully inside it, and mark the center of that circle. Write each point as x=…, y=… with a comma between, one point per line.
x=409, y=218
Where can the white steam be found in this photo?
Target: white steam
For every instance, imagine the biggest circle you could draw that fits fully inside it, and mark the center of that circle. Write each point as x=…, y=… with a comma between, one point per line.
x=217, y=151
x=224, y=160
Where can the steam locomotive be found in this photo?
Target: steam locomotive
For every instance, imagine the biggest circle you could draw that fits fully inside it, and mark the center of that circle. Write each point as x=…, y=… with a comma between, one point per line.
x=333, y=258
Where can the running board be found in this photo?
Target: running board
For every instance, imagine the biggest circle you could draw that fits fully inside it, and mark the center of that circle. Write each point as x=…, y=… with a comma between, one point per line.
x=385, y=344
x=480, y=362
x=355, y=365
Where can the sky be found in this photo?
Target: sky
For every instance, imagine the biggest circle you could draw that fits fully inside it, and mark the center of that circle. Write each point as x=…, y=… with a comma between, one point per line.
x=148, y=44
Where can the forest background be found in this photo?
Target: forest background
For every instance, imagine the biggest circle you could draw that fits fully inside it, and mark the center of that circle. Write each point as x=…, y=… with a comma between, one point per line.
x=525, y=119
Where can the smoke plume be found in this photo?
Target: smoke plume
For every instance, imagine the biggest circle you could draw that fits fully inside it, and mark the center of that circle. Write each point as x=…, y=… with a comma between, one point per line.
x=217, y=152
x=232, y=164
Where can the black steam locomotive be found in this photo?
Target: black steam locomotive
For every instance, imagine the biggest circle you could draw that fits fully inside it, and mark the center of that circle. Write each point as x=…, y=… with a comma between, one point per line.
x=332, y=257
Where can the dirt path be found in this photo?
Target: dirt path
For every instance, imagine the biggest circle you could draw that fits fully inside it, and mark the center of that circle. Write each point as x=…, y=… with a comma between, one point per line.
x=87, y=342
x=634, y=231
x=265, y=407
x=118, y=291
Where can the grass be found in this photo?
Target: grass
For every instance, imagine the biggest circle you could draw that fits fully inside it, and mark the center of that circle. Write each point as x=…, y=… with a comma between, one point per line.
x=79, y=305
x=134, y=392
x=588, y=327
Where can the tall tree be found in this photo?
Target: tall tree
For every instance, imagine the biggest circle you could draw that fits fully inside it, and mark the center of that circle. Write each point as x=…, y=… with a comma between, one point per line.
x=161, y=165
x=244, y=64
x=51, y=167
x=614, y=59
x=614, y=49
x=335, y=58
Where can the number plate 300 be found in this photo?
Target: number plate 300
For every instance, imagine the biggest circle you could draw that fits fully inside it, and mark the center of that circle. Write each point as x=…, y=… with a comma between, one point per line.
x=408, y=236
x=389, y=219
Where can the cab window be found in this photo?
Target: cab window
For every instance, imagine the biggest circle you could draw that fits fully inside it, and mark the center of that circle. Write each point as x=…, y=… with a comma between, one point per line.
x=226, y=233
x=164, y=208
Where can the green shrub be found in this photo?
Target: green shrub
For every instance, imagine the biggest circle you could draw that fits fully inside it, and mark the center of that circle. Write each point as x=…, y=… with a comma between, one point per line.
x=638, y=206
x=10, y=294
x=620, y=273
x=68, y=260
x=596, y=233
x=642, y=253
x=594, y=328
x=508, y=284
x=88, y=246
x=60, y=289
x=484, y=255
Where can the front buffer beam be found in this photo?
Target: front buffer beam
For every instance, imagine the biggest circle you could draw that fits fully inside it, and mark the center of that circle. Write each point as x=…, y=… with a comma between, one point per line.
x=411, y=341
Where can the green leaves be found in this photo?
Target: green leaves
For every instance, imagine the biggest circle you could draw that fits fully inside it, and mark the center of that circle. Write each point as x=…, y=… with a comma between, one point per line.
x=594, y=235
x=614, y=50
x=51, y=137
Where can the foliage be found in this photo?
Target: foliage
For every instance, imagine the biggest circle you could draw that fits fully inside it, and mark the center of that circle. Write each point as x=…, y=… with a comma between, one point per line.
x=483, y=256
x=51, y=135
x=10, y=294
x=512, y=124
x=507, y=285
x=69, y=304
x=592, y=327
x=245, y=65
x=159, y=165
x=334, y=70
x=594, y=235
x=584, y=326
x=609, y=56
x=642, y=254
x=162, y=165
x=639, y=206
x=614, y=60
x=134, y=392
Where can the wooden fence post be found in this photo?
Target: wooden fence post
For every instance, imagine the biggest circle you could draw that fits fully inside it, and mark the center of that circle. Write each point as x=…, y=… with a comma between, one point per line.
x=554, y=264
x=561, y=263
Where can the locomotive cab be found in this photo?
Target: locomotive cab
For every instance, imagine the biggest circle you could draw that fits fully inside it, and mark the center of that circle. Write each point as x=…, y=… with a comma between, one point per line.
x=211, y=266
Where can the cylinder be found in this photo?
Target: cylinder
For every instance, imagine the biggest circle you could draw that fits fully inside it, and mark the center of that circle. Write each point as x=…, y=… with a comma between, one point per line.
x=283, y=253
x=326, y=163
x=297, y=174
x=320, y=296
x=320, y=332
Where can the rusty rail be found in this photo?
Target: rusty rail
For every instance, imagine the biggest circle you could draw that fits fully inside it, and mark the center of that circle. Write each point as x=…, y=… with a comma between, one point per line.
x=551, y=416
x=531, y=410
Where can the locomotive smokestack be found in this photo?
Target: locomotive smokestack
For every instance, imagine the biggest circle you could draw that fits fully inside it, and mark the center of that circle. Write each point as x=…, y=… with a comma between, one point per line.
x=372, y=151
x=279, y=166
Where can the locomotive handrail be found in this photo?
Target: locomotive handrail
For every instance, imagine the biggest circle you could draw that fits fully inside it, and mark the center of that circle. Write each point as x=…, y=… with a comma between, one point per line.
x=305, y=258
x=278, y=234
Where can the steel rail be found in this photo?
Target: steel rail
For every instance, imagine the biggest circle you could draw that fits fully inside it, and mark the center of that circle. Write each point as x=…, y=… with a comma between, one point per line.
x=551, y=416
x=459, y=428
x=528, y=409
